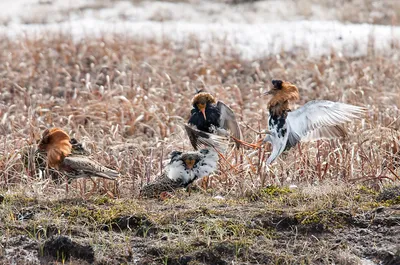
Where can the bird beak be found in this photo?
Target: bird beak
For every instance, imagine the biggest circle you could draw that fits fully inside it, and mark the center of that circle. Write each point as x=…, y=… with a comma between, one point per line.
x=190, y=163
x=204, y=113
x=202, y=108
x=269, y=92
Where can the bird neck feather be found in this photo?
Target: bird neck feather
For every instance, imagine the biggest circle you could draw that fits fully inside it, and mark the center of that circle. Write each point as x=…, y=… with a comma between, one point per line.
x=57, y=146
x=280, y=102
x=203, y=96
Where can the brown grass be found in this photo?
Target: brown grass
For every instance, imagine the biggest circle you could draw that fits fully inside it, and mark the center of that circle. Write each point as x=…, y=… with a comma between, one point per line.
x=126, y=100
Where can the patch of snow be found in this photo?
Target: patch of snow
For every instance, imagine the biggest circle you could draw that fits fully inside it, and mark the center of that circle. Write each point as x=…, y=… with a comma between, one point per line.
x=219, y=197
x=250, y=30
x=250, y=41
x=365, y=261
x=194, y=11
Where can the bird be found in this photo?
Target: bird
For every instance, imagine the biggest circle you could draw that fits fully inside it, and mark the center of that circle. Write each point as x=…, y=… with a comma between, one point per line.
x=40, y=159
x=211, y=122
x=318, y=119
x=56, y=145
x=182, y=169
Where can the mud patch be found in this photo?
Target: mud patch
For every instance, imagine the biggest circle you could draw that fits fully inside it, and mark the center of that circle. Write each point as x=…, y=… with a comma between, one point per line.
x=62, y=248
x=19, y=250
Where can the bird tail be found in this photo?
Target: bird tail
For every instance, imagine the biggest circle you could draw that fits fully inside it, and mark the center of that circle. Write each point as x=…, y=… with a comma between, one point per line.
x=111, y=174
x=200, y=138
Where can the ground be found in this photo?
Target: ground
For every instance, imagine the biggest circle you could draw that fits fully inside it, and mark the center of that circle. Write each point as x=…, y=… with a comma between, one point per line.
x=339, y=225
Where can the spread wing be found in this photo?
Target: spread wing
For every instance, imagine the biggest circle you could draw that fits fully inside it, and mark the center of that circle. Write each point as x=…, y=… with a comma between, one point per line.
x=81, y=166
x=228, y=121
x=319, y=120
x=199, y=138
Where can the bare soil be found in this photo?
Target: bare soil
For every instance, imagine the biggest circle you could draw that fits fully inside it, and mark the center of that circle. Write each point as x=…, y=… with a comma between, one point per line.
x=275, y=226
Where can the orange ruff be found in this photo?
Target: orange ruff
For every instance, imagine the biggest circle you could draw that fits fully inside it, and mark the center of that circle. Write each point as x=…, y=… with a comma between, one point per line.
x=279, y=103
x=57, y=146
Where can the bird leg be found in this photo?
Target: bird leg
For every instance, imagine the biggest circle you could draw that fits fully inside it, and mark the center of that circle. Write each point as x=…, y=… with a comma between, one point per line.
x=224, y=158
x=245, y=143
x=204, y=182
x=165, y=195
x=92, y=191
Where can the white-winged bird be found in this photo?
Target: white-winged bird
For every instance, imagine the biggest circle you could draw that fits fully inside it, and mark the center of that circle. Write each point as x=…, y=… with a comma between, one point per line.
x=181, y=171
x=56, y=145
x=319, y=119
x=211, y=122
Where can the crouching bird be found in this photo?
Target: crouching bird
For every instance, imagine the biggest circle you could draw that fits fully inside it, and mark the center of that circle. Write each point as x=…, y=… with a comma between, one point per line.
x=57, y=147
x=211, y=123
x=181, y=171
x=319, y=119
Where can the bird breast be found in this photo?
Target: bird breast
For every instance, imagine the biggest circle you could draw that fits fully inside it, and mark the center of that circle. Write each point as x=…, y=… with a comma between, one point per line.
x=277, y=124
x=212, y=114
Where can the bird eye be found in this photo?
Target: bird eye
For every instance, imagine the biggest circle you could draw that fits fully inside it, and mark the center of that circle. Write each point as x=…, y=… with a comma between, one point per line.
x=277, y=84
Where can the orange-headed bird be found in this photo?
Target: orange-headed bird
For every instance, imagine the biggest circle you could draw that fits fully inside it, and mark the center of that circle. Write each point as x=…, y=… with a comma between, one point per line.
x=211, y=122
x=319, y=119
x=55, y=143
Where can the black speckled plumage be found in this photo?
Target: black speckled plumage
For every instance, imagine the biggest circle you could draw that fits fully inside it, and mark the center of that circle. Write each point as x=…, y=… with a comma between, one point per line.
x=211, y=122
x=178, y=174
x=315, y=120
x=213, y=116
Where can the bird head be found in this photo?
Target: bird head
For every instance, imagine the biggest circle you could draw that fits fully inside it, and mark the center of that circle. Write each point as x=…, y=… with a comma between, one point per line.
x=201, y=100
x=56, y=143
x=282, y=91
x=190, y=160
x=77, y=148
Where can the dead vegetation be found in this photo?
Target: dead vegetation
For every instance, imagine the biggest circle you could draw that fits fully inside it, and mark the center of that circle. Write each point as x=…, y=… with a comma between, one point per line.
x=126, y=99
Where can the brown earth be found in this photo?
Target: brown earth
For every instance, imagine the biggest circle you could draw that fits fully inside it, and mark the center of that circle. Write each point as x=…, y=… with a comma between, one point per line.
x=274, y=226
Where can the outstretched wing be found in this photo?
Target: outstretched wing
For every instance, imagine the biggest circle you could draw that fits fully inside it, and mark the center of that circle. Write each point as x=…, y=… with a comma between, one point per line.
x=319, y=120
x=228, y=121
x=80, y=166
x=199, y=138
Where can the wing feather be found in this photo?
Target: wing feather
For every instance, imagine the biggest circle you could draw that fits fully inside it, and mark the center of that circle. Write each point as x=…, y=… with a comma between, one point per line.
x=199, y=138
x=228, y=121
x=89, y=167
x=320, y=120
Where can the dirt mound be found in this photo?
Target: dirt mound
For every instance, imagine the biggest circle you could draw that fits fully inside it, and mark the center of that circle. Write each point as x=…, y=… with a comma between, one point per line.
x=62, y=248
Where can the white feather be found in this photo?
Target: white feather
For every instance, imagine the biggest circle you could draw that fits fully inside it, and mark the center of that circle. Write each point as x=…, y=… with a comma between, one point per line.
x=307, y=120
x=207, y=164
x=315, y=120
x=176, y=170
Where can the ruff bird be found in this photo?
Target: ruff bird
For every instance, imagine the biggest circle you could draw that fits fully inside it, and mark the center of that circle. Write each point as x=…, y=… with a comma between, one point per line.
x=181, y=171
x=41, y=159
x=58, y=149
x=319, y=119
x=212, y=123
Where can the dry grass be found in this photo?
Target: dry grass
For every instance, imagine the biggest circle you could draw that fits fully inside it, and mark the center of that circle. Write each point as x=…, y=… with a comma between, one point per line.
x=126, y=100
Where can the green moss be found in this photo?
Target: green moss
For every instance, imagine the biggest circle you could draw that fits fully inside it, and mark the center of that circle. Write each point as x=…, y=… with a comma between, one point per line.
x=102, y=200
x=392, y=201
x=275, y=191
x=367, y=190
x=19, y=200
x=330, y=219
x=93, y=214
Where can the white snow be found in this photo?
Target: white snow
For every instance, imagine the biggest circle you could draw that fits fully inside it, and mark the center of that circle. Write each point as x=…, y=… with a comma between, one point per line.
x=252, y=31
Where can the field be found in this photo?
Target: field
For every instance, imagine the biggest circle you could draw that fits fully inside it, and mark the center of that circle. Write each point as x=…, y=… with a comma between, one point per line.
x=126, y=99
